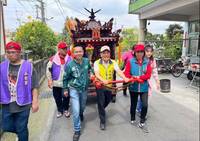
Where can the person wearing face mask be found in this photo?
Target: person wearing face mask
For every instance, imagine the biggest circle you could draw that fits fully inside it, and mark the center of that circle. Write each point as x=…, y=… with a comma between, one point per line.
x=139, y=67
x=18, y=93
x=54, y=72
x=104, y=69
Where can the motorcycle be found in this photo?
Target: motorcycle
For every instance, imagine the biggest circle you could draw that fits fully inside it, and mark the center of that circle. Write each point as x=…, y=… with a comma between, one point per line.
x=183, y=65
x=180, y=66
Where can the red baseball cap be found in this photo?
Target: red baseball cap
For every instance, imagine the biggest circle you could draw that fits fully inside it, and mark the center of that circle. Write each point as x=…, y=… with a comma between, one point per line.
x=62, y=45
x=13, y=45
x=139, y=47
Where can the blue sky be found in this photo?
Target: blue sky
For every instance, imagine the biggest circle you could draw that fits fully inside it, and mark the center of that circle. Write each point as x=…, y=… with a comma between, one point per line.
x=16, y=13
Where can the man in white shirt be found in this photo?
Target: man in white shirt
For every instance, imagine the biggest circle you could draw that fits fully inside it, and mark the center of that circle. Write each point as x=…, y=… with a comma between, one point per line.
x=104, y=70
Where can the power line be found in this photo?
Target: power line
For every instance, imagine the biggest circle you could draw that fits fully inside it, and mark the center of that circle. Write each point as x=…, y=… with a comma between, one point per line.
x=60, y=10
x=50, y=3
x=11, y=10
x=61, y=6
x=23, y=6
x=29, y=4
x=75, y=10
x=32, y=6
x=69, y=7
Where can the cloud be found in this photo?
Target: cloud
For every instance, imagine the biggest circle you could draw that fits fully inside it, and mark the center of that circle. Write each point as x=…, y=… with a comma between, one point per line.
x=118, y=9
x=109, y=7
x=159, y=27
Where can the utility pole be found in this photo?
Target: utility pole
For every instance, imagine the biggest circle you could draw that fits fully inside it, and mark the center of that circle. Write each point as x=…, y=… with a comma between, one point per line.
x=42, y=9
x=2, y=28
x=37, y=15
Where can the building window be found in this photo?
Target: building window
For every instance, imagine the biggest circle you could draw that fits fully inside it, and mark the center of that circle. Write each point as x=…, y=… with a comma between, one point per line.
x=194, y=36
x=194, y=27
x=193, y=47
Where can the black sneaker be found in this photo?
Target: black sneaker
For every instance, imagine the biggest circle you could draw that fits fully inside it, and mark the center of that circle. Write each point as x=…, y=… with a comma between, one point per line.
x=113, y=99
x=132, y=118
x=81, y=117
x=143, y=126
x=125, y=94
x=76, y=135
x=102, y=126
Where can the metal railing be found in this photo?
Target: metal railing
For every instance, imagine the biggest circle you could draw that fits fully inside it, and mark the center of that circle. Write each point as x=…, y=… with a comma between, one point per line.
x=40, y=67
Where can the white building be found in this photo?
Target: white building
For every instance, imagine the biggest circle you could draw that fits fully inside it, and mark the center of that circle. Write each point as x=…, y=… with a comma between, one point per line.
x=171, y=10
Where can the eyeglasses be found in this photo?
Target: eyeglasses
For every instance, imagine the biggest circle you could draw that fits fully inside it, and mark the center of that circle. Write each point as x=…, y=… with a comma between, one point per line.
x=12, y=52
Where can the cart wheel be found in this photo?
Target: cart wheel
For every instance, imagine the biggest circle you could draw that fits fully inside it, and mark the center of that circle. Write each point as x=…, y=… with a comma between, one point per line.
x=190, y=75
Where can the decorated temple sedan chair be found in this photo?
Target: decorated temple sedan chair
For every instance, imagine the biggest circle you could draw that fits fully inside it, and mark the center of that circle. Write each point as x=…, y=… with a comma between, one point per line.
x=92, y=35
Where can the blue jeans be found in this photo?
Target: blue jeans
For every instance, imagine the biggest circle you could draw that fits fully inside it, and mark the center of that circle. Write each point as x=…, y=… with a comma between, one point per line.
x=16, y=123
x=78, y=103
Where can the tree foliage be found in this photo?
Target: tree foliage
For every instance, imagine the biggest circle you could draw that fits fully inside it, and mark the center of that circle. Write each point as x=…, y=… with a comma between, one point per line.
x=66, y=33
x=173, y=47
x=155, y=39
x=173, y=29
x=129, y=38
x=170, y=44
x=38, y=38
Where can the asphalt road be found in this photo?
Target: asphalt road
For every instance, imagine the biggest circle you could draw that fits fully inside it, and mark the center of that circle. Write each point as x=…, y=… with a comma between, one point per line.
x=172, y=116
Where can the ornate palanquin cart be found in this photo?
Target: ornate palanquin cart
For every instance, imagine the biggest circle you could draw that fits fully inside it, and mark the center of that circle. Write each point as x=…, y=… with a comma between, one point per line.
x=92, y=35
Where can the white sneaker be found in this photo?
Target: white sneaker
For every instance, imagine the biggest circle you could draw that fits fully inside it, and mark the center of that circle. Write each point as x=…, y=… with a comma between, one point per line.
x=133, y=122
x=143, y=126
x=137, y=111
x=67, y=114
x=59, y=114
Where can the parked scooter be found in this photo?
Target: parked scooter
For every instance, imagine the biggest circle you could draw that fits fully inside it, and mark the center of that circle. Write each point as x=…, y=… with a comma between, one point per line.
x=180, y=66
x=184, y=65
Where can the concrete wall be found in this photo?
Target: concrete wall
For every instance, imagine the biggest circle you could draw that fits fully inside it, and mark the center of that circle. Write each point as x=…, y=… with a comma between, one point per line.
x=185, y=40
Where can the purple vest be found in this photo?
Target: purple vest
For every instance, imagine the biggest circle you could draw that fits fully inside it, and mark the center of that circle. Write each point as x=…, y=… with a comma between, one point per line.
x=24, y=95
x=56, y=69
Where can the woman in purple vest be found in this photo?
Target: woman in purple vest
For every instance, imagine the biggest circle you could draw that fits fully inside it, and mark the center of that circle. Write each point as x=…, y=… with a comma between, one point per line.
x=19, y=93
x=55, y=72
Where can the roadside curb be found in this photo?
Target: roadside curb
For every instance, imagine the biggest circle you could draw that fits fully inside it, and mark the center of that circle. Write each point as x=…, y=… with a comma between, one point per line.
x=46, y=132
